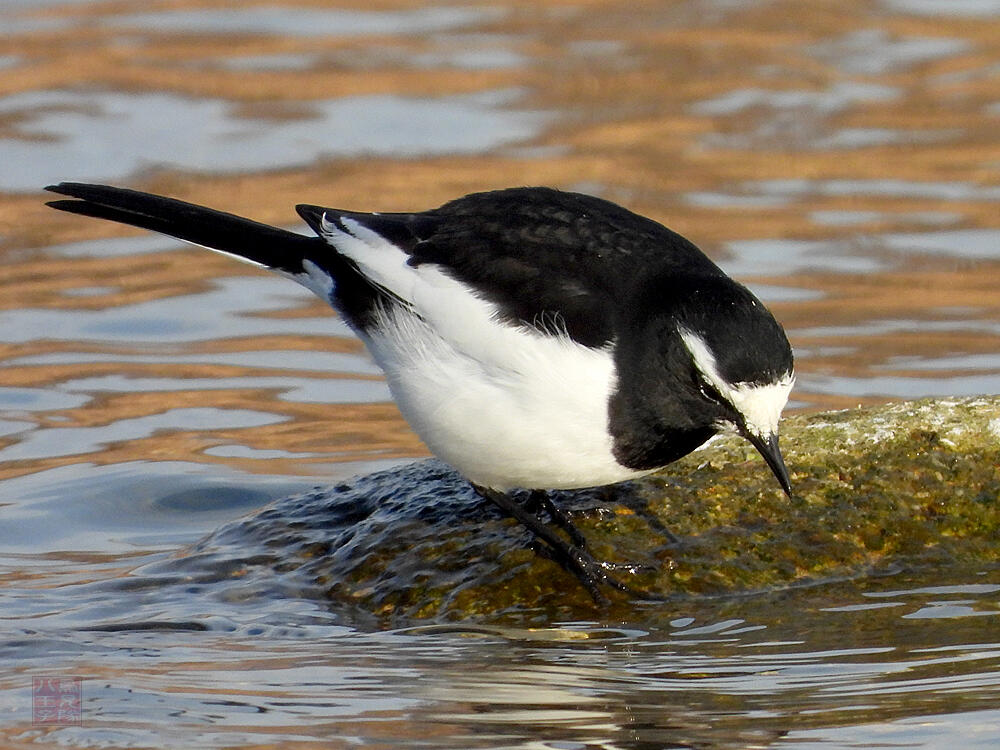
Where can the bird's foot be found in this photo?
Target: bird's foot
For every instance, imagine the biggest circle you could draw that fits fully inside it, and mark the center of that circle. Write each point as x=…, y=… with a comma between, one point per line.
x=592, y=573
x=571, y=554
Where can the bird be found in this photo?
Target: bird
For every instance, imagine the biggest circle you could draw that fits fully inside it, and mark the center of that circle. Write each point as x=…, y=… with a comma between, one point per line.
x=534, y=338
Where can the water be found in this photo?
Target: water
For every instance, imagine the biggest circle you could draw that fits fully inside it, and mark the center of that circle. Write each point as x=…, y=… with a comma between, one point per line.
x=843, y=164
x=107, y=136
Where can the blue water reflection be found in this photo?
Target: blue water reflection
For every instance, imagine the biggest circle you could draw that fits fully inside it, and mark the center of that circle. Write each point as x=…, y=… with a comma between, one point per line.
x=286, y=21
x=102, y=136
x=232, y=308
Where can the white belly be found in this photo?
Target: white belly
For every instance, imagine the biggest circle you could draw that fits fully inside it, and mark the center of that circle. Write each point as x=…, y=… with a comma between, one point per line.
x=507, y=408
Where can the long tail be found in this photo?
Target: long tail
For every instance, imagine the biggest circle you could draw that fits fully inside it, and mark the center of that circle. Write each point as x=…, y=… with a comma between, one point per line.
x=310, y=261
x=261, y=244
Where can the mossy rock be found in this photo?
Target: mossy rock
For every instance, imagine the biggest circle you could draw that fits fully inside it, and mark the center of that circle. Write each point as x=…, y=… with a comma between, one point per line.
x=908, y=485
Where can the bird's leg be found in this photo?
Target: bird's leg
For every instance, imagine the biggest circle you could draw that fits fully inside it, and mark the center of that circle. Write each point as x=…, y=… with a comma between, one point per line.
x=572, y=557
x=559, y=517
x=542, y=499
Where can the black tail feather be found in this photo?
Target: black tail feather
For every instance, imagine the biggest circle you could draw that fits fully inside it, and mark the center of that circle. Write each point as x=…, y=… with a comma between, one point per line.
x=266, y=245
x=354, y=295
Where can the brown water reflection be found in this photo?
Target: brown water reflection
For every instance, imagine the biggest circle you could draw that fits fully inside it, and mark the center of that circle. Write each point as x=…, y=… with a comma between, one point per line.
x=848, y=128
x=842, y=158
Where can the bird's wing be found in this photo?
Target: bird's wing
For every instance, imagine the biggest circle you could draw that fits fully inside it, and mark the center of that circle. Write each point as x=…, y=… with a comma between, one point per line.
x=554, y=261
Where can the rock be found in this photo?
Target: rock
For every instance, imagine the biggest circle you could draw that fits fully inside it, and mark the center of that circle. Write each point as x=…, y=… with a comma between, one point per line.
x=907, y=485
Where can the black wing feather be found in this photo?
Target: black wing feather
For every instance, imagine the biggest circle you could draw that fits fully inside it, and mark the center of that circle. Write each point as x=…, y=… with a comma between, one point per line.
x=547, y=258
x=556, y=261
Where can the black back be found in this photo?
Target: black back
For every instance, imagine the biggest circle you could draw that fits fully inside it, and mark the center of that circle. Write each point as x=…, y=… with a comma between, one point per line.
x=547, y=258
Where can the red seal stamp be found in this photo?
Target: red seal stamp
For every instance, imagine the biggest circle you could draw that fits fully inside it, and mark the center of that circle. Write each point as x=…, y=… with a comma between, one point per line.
x=57, y=701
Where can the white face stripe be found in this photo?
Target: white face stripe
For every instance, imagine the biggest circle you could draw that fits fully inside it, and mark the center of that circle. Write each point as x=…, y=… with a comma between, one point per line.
x=760, y=405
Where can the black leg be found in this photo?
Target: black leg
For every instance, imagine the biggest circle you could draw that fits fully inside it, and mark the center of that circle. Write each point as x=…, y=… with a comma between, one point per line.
x=558, y=516
x=572, y=556
x=540, y=499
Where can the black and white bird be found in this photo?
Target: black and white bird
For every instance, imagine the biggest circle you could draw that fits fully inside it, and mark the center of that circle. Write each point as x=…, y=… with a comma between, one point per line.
x=533, y=338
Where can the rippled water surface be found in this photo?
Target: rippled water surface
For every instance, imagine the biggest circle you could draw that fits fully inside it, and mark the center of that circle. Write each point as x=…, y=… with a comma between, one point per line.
x=843, y=160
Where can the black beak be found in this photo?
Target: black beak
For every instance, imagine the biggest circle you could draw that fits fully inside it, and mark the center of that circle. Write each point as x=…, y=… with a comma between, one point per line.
x=768, y=448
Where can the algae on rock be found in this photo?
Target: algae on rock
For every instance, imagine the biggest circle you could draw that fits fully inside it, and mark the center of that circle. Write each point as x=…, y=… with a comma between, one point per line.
x=906, y=485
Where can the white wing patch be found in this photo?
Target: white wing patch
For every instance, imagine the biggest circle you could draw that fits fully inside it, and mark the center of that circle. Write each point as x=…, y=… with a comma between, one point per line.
x=451, y=309
x=313, y=278
x=760, y=405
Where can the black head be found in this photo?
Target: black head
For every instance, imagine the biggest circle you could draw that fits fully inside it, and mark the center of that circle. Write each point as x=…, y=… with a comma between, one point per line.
x=699, y=354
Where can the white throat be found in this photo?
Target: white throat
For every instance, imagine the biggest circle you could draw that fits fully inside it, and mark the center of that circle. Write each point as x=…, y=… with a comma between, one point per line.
x=760, y=405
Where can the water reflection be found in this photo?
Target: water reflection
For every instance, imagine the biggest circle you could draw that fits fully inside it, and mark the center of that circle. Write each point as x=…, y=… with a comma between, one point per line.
x=841, y=95
x=68, y=441
x=874, y=51
x=971, y=244
x=960, y=8
x=290, y=21
x=127, y=508
x=697, y=676
x=234, y=307
x=313, y=361
x=837, y=162
x=108, y=136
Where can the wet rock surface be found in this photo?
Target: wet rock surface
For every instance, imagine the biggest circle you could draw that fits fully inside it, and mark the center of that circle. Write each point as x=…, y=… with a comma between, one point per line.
x=877, y=490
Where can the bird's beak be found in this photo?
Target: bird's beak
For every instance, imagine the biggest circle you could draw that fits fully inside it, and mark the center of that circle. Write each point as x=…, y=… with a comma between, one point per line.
x=768, y=448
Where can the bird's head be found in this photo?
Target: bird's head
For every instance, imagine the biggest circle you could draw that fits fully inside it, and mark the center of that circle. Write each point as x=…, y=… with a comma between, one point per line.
x=707, y=356
x=750, y=406
x=740, y=365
